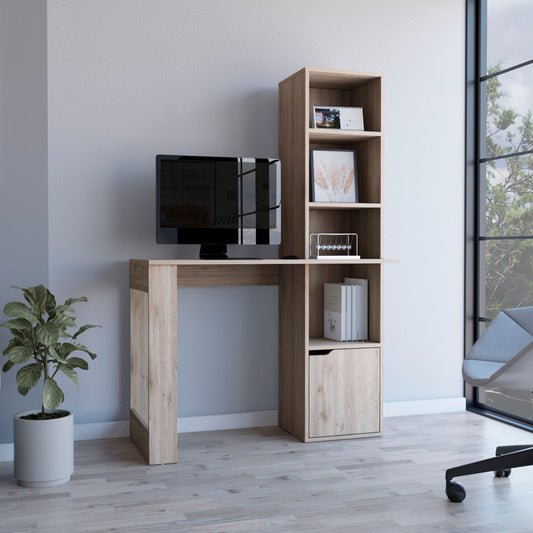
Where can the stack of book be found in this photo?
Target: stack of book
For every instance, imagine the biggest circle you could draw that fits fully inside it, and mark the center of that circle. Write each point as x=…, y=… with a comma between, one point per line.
x=346, y=310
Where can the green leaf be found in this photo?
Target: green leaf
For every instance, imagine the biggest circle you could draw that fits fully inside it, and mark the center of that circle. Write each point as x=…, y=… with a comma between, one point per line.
x=70, y=301
x=48, y=334
x=8, y=366
x=66, y=349
x=83, y=329
x=20, y=327
x=77, y=362
x=64, y=308
x=15, y=341
x=19, y=353
x=83, y=348
x=70, y=373
x=52, y=352
x=20, y=310
x=60, y=319
x=28, y=376
x=37, y=297
x=52, y=394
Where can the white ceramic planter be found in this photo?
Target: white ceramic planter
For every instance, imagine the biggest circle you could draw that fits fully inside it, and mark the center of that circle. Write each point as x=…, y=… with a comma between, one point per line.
x=44, y=450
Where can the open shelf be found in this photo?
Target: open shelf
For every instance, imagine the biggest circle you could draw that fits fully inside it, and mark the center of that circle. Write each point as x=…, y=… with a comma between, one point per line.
x=329, y=389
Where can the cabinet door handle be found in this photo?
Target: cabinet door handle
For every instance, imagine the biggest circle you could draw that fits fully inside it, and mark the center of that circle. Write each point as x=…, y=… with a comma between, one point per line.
x=320, y=352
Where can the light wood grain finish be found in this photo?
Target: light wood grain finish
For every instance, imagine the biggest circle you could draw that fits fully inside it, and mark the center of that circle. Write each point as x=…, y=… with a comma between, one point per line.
x=139, y=354
x=293, y=335
x=332, y=88
x=139, y=274
x=162, y=394
x=264, y=480
x=293, y=152
x=345, y=393
x=228, y=275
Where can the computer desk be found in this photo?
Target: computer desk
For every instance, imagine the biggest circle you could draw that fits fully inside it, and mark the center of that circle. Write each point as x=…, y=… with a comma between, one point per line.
x=154, y=343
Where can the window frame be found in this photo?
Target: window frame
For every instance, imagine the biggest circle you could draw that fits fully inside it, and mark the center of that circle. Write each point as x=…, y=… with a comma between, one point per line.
x=475, y=119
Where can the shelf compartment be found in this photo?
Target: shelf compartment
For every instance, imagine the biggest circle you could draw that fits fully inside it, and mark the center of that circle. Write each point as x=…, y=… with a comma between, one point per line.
x=365, y=222
x=368, y=157
x=344, y=89
x=335, y=273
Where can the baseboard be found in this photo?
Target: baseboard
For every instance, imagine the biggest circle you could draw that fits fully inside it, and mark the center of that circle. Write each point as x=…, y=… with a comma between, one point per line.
x=191, y=424
x=424, y=407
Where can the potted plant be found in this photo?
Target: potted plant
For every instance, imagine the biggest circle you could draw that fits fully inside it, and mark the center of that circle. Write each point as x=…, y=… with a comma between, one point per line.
x=43, y=439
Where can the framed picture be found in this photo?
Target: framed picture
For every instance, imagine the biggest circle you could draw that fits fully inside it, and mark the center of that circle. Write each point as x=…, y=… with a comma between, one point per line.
x=344, y=118
x=326, y=117
x=333, y=175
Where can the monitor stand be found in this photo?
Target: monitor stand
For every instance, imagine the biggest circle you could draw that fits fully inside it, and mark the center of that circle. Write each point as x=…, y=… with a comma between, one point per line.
x=213, y=251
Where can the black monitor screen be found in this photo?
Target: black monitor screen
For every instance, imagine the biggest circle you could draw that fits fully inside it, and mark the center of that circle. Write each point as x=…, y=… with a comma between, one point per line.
x=227, y=200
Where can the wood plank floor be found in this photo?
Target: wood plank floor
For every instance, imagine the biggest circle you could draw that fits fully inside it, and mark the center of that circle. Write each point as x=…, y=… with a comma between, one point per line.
x=265, y=480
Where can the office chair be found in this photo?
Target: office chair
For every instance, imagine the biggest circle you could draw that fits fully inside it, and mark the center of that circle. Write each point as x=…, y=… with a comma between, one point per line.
x=502, y=357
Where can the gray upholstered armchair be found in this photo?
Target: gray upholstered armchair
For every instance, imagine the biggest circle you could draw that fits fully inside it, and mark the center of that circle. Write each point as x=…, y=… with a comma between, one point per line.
x=502, y=357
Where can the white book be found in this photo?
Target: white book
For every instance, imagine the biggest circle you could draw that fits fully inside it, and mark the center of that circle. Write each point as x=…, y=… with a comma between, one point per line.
x=355, y=312
x=335, y=311
x=349, y=310
x=362, y=306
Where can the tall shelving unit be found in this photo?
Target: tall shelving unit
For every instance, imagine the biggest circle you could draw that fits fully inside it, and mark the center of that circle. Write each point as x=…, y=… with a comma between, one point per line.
x=329, y=389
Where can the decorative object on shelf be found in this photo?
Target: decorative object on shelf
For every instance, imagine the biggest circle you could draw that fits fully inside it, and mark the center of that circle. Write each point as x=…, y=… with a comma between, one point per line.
x=333, y=176
x=326, y=117
x=344, y=118
x=44, y=444
x=334, y=246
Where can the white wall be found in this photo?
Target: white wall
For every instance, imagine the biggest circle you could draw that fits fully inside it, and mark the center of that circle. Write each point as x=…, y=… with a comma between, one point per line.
x=23, y=170
x=128, y=79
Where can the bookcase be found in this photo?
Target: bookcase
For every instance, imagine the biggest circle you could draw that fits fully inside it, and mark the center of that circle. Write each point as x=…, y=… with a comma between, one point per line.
x=329, y=389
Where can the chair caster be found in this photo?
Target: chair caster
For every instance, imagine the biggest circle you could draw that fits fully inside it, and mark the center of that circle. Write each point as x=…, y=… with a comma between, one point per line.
x=455, y=491
x=502, y=473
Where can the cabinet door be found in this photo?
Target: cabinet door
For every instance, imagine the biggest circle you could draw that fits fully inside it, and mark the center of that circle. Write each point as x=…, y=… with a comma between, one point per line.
x=344, y=392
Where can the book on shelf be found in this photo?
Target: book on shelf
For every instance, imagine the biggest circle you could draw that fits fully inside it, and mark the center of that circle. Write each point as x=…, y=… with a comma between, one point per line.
x=335, y=310
x=360, y=302
x=346, y=310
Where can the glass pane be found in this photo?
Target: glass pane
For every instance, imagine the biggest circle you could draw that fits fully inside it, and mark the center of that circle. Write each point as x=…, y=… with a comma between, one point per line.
x=508, y=192
x=508, y=112
x=515, y=402
x=508, y=275
x=509, y=24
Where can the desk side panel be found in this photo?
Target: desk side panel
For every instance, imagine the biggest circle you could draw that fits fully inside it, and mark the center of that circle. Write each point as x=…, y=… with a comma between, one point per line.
x=162, y=365
x=293, y=334
x=139, y=354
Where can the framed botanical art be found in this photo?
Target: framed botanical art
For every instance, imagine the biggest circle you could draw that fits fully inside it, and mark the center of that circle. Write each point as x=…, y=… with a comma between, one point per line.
x=333, y=176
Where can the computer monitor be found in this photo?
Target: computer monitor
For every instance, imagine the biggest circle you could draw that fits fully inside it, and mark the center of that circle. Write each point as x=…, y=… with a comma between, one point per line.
x=216, y=201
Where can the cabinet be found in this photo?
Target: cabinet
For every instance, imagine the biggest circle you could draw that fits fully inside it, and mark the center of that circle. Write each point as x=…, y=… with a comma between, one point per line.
x=329, y=389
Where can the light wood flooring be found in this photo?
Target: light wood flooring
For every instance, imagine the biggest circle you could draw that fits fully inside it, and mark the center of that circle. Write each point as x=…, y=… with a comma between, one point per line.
x=257, y=480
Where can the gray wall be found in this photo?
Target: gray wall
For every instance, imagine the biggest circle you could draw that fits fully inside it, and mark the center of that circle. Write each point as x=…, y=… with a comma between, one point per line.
x=128, y=79
x=23, y=170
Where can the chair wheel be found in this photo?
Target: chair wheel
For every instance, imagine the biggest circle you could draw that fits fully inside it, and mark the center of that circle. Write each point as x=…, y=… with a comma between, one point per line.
x=455, y=491
x=502, y=473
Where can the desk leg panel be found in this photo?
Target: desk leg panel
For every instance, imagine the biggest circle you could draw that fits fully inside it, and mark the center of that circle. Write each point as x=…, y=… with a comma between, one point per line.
x=162, y=365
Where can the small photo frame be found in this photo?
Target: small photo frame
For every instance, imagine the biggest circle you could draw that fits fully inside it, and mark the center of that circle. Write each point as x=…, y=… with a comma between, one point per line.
x=333, y=176
x=326, y=117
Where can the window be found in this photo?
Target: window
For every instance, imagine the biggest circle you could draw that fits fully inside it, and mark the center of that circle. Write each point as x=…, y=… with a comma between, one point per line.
x=499, y=177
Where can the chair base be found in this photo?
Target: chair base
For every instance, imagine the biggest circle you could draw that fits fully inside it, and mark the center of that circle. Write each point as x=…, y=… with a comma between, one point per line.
x=507, y=457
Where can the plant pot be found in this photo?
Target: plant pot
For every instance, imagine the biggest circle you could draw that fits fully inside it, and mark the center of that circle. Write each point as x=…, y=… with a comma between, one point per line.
x=44, y=450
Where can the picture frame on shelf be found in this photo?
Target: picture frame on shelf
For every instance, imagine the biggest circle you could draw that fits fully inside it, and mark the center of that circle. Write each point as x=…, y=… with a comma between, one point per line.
x=340, y=118
x=333, y=175
x=326, y=117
